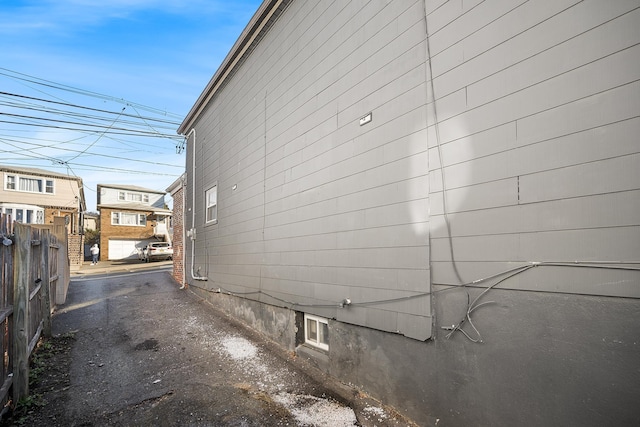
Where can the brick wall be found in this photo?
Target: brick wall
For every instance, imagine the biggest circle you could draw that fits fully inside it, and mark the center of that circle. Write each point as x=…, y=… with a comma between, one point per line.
x=52, y=212
x=178, y=235
x=76, y=250
x=109, y=231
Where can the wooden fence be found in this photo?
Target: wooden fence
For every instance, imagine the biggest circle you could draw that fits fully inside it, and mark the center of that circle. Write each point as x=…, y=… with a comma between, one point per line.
x=31, y=272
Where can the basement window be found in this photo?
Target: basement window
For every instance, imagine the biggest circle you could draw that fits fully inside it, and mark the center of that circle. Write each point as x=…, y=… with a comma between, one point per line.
x=316, y=331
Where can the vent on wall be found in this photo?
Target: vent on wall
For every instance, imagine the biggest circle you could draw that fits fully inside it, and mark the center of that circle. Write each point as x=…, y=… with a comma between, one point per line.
x=366, y=119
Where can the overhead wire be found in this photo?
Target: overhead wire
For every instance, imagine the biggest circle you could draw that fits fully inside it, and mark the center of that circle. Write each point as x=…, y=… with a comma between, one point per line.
x=98, y=154
x=71, y=114
x=98, y=127
x=79, y=118
x=48, y=83
x=82, y=107
x=97, y=139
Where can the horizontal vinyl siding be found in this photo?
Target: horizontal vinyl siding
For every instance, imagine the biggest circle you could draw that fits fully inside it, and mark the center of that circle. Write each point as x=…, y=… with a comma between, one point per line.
x=538, y=112
x=324, y=209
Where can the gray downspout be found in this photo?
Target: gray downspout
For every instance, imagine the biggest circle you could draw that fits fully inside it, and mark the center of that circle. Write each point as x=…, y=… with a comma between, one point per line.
x=192, y=232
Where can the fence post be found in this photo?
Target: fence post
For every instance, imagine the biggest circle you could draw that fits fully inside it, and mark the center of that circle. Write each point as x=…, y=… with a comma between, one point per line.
x=22, y=268
x=45, y=238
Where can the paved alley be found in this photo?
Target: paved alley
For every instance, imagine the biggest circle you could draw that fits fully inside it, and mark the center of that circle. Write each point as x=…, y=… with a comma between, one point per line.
x=147, y=353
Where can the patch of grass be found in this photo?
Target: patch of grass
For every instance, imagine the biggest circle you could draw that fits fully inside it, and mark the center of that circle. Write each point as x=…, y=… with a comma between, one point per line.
x=26, y=407
x=47, y=371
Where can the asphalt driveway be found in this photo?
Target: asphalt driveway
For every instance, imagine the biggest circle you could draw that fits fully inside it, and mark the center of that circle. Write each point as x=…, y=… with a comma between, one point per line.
x=147, y=353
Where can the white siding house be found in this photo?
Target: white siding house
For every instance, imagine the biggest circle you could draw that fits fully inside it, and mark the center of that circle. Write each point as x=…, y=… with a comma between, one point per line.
x=435, y=201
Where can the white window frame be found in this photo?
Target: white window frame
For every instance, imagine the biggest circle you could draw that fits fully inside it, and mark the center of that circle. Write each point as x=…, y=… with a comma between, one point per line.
x=141, y=219
x=29, y=214
x=47, y=186
x=127, y=196
x=15, y=182
x=211, y=209
x=320, y=341
x=27, y=181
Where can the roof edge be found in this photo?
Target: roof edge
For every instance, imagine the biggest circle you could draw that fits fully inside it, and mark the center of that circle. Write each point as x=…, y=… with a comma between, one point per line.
x=130, y=188
x=259, y=19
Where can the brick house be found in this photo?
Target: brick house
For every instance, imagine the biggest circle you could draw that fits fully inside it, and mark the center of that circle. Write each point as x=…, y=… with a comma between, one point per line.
x=130, y=218
x=176, y=190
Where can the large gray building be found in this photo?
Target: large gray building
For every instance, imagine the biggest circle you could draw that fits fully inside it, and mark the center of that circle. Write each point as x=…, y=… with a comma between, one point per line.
x=437, y=202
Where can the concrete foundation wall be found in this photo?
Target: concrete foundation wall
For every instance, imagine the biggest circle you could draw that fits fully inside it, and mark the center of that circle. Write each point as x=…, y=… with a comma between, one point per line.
x=571, y=366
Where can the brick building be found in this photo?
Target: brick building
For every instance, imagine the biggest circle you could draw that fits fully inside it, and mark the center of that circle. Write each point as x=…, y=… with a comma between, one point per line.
x=176, y=190
x=130, y=218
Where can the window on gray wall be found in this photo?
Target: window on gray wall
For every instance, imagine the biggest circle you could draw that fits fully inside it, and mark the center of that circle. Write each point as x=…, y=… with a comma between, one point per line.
x=211, y=204
x=316, y=331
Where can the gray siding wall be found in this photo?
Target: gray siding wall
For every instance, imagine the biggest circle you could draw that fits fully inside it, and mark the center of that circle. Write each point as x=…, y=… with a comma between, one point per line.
x=510, y=138
x=324, y=209
x=534, y=139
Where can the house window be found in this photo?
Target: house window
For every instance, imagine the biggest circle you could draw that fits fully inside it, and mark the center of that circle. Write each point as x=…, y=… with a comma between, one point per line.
x=128, y=219
x=25, y=214
x=11, y=182
x=211, y=201
x=316, y=331
x=133, y=197
x=30, y=185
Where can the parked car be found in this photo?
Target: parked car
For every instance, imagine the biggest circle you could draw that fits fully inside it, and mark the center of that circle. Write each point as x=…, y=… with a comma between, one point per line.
x=158, y=250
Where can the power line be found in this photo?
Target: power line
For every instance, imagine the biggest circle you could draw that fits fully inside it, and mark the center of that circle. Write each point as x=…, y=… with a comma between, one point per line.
x=118, y=131
x=54, y=111
x=47, y=83
x=37, y=146
x=98, y=126
x=67, y=104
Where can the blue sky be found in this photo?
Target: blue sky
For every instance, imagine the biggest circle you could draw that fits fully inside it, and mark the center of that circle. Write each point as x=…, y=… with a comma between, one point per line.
x=139, y=64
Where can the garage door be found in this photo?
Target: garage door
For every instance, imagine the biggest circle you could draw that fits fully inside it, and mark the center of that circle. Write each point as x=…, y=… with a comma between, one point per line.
x=126, y=249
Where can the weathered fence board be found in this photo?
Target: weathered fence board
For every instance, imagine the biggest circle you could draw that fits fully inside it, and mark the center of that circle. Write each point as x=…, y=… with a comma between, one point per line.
x=22, y=267
x=6, y=305
x=29, y=262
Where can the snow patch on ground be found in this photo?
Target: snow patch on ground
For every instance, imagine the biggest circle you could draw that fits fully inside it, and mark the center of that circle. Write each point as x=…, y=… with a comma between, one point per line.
x=306, y=409
x=317, y=412
x=379, y=413
x=239, y=348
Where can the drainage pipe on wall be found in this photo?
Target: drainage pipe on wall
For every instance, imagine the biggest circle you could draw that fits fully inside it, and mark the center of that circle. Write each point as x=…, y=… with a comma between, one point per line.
x=192, y=232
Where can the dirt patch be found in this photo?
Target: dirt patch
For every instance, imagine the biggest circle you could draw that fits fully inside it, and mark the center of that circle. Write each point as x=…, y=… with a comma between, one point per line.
x=150, y=344
x=49, y=368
